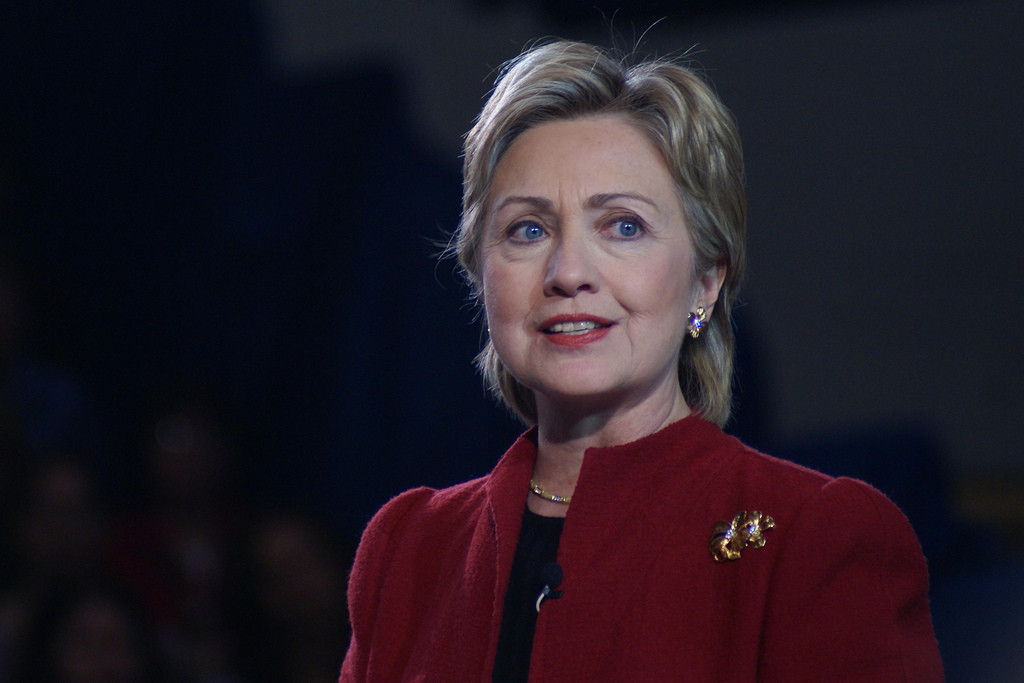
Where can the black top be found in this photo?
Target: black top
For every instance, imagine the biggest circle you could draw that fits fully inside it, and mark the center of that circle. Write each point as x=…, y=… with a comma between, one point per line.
x=537, y=547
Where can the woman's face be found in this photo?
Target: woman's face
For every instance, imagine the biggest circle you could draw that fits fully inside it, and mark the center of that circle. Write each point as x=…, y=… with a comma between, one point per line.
x=587, y=265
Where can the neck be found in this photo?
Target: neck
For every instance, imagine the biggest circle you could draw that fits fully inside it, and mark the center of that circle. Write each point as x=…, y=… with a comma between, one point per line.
x=565, y=430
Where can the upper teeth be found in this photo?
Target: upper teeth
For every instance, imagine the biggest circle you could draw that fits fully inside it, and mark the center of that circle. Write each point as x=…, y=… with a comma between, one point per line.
x=574, y=327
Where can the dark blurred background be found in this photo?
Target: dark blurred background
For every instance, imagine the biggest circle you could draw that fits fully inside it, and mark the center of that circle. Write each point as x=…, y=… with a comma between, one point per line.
x=225, y=338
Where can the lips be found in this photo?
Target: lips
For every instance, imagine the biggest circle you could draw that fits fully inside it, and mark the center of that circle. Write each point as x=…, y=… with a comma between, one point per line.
x=574, y=327
x=575, y=330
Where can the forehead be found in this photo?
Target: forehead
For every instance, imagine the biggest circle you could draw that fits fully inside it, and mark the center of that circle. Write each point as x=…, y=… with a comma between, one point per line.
x=603, y=153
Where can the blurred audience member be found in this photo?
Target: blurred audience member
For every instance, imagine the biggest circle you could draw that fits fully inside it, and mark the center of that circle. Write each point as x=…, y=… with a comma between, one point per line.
x=172, y=550
x=294, y=601
x=89, y=633
x=54, y=537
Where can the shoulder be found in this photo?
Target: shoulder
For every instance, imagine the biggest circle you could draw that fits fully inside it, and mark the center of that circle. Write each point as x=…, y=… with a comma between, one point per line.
x=835, y=510
x=400, y=566
x=849, y=499
x=851, y=528
x=849, y=523
x=408, y=536
x=724, y=476
x=847, y=583
x=422, y=509
x=810, y=507
x=742, y=478
x=850, y=581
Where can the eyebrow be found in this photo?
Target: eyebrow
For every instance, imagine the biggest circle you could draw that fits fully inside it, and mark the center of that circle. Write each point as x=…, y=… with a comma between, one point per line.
x=599, y=200
x=539, y=203
x=595, y=202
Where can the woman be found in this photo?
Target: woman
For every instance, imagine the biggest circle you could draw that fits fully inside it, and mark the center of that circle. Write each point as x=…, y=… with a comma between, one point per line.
x=624, y=537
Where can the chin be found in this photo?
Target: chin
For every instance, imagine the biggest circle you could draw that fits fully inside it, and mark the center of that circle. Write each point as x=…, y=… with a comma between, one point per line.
x=600, y=396
x=574, y=382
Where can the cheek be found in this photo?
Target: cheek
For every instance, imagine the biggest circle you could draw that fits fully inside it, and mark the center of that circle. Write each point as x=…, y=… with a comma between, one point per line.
x=680, y=272
x=499, y=305
x=489, y=292
x=505, y=287
x=665, y=288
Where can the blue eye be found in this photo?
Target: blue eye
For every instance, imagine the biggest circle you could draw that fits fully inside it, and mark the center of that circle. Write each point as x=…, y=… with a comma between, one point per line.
x=627, y=228
x=527, y=232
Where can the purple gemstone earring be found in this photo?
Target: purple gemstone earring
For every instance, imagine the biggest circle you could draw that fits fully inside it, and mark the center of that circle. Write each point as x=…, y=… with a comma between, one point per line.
x=695, y=325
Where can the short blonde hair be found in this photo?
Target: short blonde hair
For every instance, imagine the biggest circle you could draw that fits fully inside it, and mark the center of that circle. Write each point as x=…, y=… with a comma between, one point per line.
x=692, y=130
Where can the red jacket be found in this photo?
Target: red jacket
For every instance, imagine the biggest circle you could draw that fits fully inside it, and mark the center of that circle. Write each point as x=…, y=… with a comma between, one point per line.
x=838, y=592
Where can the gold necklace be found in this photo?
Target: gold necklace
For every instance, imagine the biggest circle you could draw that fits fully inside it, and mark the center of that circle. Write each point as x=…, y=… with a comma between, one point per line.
x=538, y=491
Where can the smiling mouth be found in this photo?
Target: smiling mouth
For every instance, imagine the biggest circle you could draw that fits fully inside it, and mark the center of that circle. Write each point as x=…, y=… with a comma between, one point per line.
x=574, y=327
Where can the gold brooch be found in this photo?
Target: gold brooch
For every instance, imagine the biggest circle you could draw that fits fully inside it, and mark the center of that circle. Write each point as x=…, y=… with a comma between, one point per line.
x=729, y=540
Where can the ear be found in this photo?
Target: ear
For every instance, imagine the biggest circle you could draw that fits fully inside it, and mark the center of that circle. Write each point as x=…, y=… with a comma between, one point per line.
x=709, y=284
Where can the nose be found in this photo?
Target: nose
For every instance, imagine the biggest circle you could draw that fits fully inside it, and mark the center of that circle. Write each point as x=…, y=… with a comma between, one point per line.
x=571, y=268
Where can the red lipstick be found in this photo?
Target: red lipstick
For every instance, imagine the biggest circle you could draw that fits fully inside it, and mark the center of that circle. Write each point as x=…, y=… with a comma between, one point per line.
x=575, y=330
